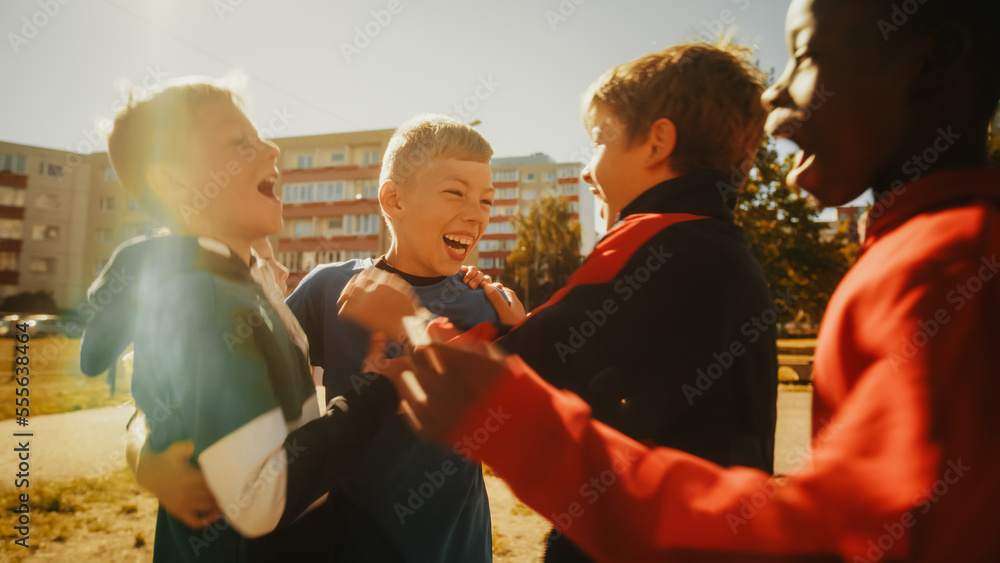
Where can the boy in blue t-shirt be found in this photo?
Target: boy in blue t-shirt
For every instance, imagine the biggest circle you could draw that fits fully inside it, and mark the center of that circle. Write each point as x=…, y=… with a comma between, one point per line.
x=410, y=501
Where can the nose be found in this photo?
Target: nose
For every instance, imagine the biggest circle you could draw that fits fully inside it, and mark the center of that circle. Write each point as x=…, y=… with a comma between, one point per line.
x=587, y=175
x=777, y=94
x=270, y=150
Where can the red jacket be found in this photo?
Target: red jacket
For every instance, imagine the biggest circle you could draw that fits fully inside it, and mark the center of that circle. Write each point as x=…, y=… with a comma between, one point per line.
x=906, y=459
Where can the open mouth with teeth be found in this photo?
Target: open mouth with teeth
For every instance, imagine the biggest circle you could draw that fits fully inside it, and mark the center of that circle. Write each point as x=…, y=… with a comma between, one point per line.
x=457, y=246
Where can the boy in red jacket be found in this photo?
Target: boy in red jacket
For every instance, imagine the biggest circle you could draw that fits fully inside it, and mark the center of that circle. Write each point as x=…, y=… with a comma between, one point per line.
x=906, y=441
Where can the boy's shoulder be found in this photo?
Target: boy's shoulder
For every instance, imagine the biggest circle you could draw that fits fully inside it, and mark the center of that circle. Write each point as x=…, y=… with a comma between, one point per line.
x=338, y=273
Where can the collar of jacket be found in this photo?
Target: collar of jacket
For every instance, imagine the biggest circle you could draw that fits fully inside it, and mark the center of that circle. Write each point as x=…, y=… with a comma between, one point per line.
x=933, y=192
x=707, y=193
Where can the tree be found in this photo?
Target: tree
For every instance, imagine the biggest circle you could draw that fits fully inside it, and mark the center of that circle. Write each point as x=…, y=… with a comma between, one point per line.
x=547, y=250
x=784, y=234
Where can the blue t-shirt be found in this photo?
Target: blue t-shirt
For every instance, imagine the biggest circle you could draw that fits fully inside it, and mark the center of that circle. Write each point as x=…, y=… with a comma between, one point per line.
x=409, y=501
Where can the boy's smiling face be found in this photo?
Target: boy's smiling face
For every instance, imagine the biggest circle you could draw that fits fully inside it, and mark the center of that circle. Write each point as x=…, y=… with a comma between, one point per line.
x=230, y=175
x=439, y=212
x=842, y=98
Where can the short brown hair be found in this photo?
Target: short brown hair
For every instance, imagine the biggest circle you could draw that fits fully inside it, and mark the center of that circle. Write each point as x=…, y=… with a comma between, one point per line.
x=154, y=130
x=711, y=94
x=427, y=137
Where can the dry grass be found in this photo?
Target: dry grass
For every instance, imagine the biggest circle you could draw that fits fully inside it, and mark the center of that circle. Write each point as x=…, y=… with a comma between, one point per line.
x=56, y=383
x=106, y=519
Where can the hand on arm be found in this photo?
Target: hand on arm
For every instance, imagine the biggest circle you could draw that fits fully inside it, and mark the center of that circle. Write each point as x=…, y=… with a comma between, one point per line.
x=179, y=486
x=475, y=278
x=510, y=310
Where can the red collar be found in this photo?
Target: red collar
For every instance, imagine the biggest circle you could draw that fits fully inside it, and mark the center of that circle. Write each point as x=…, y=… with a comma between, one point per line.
x=940, y=190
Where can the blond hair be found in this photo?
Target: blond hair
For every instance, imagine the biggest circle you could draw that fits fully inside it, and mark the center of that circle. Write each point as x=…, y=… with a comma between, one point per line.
x=711, y=94
x=425, y=138
x=155, y=130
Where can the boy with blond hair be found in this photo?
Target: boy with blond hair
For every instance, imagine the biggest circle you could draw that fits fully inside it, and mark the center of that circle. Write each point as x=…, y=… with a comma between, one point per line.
x=410, y=501
x=216, y=362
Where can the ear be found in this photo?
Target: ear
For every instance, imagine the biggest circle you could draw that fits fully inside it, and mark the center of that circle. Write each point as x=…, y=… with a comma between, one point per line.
x=660, y=142
x=388, y=199
x=945, y=54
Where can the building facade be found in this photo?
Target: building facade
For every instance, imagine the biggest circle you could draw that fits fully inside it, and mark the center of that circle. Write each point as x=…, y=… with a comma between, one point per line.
x=519, y=181
x=62, y=214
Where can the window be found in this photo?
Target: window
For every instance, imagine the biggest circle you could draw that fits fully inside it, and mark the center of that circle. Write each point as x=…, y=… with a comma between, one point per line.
x=550, y=176
x=40, y=265
x=13, y=197
x=8, y=261
x=10, y=228
x=492, y=263
x=531, y=178
x=506, y=193
x=45, y=232
x=489, y=245
x=48, y=202
x=528, y=194
x=308, y=261
x=369, y=190
x=372, y=157
x=507, y=244
x=109, y=174
x=305, y=162
x=336, y=224
x=574, y=207
x=132, y=205
x=337, y=158
x=107, y=204
x=303, y=229
x=105, y=236
x=505, y=176
x=568, y=173
x=12, y=163
x=332, y=191
x=326, y=256
x=50, y=169
x=362, y=224
x=569, y=189
x=290, y=260
x=504, y=227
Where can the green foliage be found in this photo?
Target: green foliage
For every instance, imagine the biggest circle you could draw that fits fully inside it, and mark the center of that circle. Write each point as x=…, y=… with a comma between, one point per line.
x=784, y=235
x=547, y=250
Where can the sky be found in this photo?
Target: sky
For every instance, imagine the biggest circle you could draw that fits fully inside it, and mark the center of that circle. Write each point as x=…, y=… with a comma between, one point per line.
x=313, y=66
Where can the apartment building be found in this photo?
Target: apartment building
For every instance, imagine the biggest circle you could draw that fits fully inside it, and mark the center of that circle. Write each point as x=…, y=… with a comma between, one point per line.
x=329, y=186
x=519, y=181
